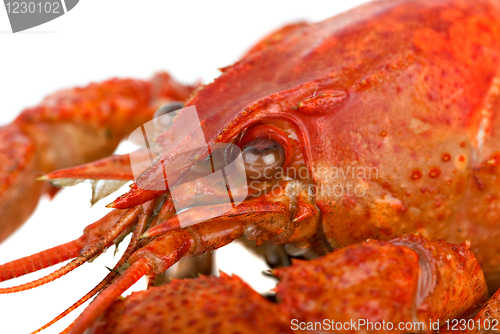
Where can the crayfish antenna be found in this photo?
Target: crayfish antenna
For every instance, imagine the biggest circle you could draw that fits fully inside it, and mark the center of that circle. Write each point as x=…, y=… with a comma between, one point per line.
x=59, y=253
x=97, y=247
x=132, y=246
x=41, y=260
x=109, y=295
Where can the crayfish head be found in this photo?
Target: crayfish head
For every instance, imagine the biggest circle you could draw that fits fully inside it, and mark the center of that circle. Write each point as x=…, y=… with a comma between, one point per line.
x=261, y=178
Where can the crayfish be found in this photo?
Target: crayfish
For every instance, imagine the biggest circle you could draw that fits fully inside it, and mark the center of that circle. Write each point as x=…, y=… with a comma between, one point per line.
x=370, y=140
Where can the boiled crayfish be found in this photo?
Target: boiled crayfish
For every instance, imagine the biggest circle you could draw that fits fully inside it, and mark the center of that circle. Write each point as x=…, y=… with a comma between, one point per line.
x=393, y=111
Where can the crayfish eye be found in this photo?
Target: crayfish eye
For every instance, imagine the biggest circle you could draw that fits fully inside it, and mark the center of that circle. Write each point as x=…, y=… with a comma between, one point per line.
x=165, y=115
x=167, y=108
x=262, y=158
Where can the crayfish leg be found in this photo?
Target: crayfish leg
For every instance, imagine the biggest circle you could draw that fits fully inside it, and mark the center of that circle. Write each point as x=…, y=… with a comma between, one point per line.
x=408, y=279
x=19, y=190
x=255, y=211
x=374, y=280
x=156, y=257
x=222, y=304
x=187, y=267
x=486, y=321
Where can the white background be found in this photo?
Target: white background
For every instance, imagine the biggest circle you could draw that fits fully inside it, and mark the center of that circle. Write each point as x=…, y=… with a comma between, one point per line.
x=102, y=39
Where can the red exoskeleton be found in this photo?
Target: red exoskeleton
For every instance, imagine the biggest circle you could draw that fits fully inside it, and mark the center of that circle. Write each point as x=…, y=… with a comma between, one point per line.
x=393, y=111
